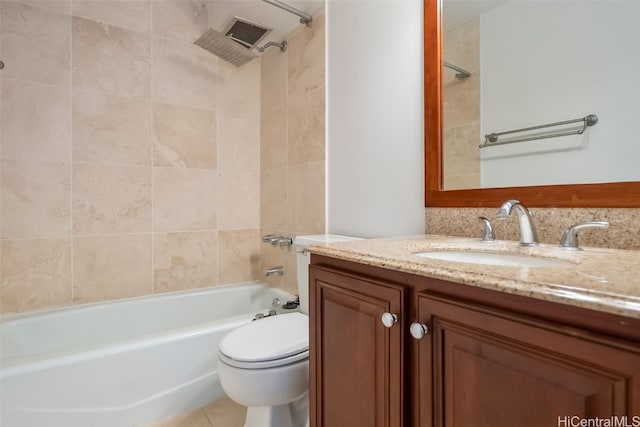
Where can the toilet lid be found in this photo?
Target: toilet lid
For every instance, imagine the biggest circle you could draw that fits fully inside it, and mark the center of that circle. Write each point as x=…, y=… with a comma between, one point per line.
x=273, y=337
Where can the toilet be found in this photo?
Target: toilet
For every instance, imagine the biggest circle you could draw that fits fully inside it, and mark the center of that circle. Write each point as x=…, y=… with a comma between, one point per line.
x=264, y=365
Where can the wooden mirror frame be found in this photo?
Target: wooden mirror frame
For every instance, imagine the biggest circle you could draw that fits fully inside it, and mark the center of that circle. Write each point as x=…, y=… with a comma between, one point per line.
x=616, y=194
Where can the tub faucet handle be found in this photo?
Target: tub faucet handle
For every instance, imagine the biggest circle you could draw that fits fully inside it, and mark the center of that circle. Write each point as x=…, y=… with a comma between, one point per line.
x=285, y=241
x=488, y=234
x=570, y=237
x=268, y=238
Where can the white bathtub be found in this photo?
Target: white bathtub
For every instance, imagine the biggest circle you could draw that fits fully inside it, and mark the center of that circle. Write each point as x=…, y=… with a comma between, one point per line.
x=122, y=363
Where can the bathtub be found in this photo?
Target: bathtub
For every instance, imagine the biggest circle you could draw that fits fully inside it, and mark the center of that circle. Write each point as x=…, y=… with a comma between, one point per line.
x=120, y=363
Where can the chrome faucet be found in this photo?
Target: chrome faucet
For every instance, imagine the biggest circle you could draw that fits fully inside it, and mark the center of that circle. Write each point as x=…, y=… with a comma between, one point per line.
x=275, y=271
x=528, y=233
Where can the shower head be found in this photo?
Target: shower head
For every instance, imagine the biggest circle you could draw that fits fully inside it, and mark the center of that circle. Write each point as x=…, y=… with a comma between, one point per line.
x=234, y=44
x=225, y=48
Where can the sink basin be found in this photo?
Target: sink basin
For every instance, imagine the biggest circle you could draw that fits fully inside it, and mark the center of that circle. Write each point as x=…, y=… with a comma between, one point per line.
x=491, y=258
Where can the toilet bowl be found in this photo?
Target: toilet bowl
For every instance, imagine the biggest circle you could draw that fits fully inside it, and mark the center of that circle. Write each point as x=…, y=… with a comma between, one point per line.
x=264, y=365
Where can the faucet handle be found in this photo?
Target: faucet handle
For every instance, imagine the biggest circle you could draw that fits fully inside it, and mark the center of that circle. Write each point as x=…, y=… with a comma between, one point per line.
x=488, y=234
x=570, y=237
x=271, y=239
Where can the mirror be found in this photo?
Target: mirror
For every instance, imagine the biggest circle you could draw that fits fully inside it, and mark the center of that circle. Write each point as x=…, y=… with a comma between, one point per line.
x=572, y=189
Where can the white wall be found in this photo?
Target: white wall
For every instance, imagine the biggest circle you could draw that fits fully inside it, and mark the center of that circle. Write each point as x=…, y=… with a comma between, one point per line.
x=375, y=117
x=576, y=63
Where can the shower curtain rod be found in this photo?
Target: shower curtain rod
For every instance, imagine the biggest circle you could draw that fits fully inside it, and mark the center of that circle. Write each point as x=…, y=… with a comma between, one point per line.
x=305, y=18
x=462, y=73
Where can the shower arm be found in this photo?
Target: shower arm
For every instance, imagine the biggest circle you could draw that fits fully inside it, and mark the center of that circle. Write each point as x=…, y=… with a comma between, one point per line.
x=282, y=46
x=305, y=18
x=462, y=73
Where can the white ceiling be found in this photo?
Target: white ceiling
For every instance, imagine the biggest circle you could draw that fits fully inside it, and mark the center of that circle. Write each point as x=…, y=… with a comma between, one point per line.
x=457, y=12
x=282, y=22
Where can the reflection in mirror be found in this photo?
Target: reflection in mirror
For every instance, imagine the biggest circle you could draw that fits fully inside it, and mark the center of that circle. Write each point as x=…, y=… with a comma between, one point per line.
x=533, y=63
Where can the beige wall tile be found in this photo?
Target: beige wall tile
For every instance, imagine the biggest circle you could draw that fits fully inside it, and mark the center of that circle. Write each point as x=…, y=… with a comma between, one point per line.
x=461, y=154
x=273, y=81
x=239, y=93
x=111, y=267
x=184, y=137
x=238, y=200
x=35, y=274
x=239, y=252
x=184, y=74
x=306, y=59
x=459, y=182
x=238, y=143
x=272, y=257
x=306, y=129
x=35, y=199
x=61, y=6
x=461, y=102
x=180, y=19
x=273, y=199
x=131, y=14
x=110, y=59
x=305, y=199
x=184, y=260
x=462, y=48
x=111, y=129
x=34, y=43
x=273, y=139
x=184, y=199
x=239, y=118
x=291, y=273
x=35, y=122
x=111, y=199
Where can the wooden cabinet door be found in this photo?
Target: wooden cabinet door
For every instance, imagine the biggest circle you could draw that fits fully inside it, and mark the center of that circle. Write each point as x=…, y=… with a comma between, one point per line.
x=494, y=369
x=356, y=362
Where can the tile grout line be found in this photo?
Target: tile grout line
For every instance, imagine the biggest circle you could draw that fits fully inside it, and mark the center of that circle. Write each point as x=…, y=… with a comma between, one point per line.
x=71, y=219
x=151, y=145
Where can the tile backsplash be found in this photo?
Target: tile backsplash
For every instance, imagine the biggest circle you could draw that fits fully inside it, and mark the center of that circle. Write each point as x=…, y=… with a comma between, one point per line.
x=623, y=231
x=130, y=158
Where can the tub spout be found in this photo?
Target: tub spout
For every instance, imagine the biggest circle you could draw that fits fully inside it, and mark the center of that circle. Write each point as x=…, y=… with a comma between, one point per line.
x=275, y=271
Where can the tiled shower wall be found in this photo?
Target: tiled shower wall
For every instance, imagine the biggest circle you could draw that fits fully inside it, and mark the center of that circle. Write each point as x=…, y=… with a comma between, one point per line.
x=461, y=104
x=292, y=161
x=130, y=158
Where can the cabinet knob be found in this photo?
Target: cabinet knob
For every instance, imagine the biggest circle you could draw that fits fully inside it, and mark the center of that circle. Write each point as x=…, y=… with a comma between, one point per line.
x=418, y=330
x=389, y=319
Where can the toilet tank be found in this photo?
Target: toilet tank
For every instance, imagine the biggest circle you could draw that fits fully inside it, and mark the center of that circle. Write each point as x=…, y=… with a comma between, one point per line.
x=303, y=259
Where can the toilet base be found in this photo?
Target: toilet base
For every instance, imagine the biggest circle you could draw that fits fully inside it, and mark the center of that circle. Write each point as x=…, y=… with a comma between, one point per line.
x=294, y=414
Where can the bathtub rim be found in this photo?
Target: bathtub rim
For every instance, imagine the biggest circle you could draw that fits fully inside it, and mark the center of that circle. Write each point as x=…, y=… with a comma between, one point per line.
x=14, y=316
x=14, y=366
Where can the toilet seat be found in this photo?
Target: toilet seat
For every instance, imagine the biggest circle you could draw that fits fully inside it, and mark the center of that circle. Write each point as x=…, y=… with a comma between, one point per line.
x=268, y=342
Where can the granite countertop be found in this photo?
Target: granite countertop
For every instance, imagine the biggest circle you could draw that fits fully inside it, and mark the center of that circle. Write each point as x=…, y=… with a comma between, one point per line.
x=606, y=280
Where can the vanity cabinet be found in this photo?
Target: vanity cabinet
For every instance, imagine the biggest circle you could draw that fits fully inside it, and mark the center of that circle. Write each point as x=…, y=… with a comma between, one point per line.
x=487, y=359
x=356, y=361
x=488, y=367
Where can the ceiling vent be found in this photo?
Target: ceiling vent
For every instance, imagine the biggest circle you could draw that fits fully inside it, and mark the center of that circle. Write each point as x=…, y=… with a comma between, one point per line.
x=246, y=34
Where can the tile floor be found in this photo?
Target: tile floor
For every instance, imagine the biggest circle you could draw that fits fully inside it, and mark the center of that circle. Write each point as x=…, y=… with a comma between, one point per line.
x=221, y=413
